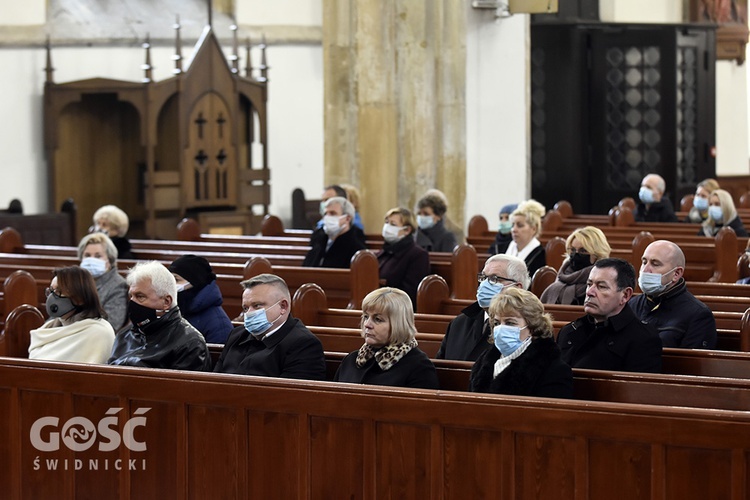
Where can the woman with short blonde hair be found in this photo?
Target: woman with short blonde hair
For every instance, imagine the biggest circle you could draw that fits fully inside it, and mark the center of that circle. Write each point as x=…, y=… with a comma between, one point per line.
x=722, y=213
x=526, y=227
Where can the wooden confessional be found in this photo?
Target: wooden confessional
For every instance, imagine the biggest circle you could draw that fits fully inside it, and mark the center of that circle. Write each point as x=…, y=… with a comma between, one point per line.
x=193, y=145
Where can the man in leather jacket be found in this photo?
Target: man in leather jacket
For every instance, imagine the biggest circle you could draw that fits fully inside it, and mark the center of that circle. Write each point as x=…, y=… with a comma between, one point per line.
x=160, y=337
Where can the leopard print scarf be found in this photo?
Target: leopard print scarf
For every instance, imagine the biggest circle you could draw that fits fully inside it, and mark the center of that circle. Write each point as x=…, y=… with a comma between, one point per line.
x=386, y=356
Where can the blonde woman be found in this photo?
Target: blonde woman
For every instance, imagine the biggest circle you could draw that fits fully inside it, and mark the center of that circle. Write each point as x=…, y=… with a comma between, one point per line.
x=584, y=247
x=389, y=355
x=699, y=211
x=721, y=213
x=526, y=226
x=113, y=222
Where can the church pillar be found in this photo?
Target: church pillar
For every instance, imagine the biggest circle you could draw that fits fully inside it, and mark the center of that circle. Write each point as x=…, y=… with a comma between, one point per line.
x=395, y=76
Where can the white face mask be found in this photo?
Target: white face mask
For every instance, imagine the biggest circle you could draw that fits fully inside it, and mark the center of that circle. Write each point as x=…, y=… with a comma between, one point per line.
x=425, y=221
x=390, y=233
x=332, y=225
x=651, y=283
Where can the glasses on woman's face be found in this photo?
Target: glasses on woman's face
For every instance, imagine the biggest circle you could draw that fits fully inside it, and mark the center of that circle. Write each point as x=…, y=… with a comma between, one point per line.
x=51, y=291
x=579, y=251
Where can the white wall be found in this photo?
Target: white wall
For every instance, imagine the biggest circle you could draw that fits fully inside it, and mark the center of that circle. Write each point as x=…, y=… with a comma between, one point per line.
x=280, y=12
x=26, y=13
x=731, y=119
x=497, y=82
x=640, y=11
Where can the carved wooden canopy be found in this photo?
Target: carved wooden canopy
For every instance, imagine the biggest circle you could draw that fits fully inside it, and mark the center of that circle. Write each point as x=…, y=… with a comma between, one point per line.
x=194, y=144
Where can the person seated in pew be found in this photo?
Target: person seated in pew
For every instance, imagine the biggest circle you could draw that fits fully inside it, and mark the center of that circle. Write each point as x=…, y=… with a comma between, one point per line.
x=199, y=298
x=401, y=262
x=337, y=241
x=431, y=232
x=526, y=222
x=699, y=211
x=352, y=194
x=447, y=222
x=332, y=191
x=467, y=335
x=610, y=336
x=503, y=237
x=680, y=318
x=721, y=213
x=653, y=205
x=389, y=355
x=271, y=342
x=98, y=255
x=113, y=222
x=585, y=246
x=77, y=329
x=523, y=359
x=159, y=337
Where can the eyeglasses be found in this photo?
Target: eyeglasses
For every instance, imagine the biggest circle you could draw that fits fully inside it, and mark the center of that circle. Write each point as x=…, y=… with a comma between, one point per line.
x=580, y=251
x=494, y=280
x=49, y=291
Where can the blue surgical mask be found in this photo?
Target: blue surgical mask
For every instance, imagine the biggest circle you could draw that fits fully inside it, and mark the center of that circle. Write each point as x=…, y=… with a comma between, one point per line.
x=505, y=226
x=256, y=322
x=715, y=212
x=651, y=283
x=507, y=338
x=95, y=266
x=700, y=203
x=486, y=292
x=646, y=195
x=425, y=221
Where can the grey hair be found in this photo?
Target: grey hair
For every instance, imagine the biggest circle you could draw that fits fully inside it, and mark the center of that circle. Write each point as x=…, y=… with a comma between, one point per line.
x=517, y=270
x=346, y=206
x=99, y=239
x=161, y=279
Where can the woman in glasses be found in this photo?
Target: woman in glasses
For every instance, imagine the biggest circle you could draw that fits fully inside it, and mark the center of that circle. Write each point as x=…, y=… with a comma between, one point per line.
x=584, y=246
x=77, y=329
x=525, y=359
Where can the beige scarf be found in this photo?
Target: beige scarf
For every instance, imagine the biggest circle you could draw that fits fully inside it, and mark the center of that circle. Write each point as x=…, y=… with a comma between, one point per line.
x=386, y=356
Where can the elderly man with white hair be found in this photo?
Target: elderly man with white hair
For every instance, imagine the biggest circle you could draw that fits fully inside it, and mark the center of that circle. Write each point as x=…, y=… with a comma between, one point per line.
x=334, y=244
x=160, y=337
x=654, y=206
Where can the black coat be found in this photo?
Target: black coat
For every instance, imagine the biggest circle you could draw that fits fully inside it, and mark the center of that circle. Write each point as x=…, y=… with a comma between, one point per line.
x=170, y=342
x=413, y=370
x=660, y=211
x=536, y=259
x=735, y=224
x=123, y=246
x=403, y=265
x=466, y=337
x=539, y=371
x=291, y=352
x=436, y=239
x=341, y=252
x=622, y=343
x=680, y=318
x=501, y=243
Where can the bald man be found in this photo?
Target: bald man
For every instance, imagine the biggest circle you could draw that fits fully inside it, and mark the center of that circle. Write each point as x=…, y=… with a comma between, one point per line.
x=681, y=319
x=654, y=206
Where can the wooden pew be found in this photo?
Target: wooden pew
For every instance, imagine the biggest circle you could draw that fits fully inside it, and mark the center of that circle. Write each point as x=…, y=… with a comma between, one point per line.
x=252, y=437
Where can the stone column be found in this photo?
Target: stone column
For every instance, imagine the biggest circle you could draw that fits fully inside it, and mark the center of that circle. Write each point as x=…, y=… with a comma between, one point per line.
x=395, y=74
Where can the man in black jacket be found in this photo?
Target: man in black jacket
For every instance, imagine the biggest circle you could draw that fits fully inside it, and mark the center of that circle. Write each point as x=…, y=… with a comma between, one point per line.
x=335, y=243
x=654, y=206
x=610, y=336
x=271, y=342
x=160, y=337
x=468, y=333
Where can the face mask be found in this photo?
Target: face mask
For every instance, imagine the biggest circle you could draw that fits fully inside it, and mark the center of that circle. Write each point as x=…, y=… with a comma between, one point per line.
x=507, y=338
x=57, y=307
x=141, y=316
x=700, y=203
x=322, y=208
x=505, y=226
x=715, y=213
x=486, y=292
x=580, y=261
x=95, y=266
x=425, y=221
x=390, y=233
x=646, y=195
x=256, y=322
x=181, y=288
x=331, y=225
x=651, y=284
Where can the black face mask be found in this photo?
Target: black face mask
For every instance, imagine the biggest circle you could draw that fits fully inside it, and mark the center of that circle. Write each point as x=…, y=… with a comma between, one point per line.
x=57, y=307
x=185, y=299
x=579, y=261
x=141, y=316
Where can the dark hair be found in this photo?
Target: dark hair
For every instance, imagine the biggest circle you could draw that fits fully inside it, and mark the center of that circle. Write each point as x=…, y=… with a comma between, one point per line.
x=624, y=269
x=78, y=284
x=339, y=190
x=434, y=202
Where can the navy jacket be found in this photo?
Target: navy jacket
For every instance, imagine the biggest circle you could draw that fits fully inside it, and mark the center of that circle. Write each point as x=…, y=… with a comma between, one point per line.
x=413, y=370
x=291, y=352
x=622, y=343
x=680, y=318
x=539, y=371
x=202, y=308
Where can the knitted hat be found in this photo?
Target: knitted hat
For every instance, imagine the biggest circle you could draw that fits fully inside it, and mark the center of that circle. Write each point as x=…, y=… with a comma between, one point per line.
x=196, y=270
x=508, y=209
